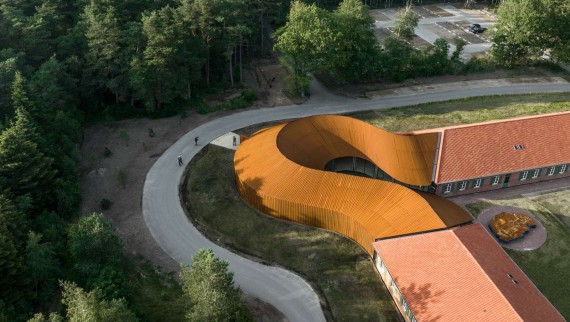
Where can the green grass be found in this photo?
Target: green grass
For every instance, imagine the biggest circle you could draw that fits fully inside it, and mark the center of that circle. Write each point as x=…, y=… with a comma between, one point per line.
x=338, y=268
x=154, y=296
x=548, y=266
x=465, y=111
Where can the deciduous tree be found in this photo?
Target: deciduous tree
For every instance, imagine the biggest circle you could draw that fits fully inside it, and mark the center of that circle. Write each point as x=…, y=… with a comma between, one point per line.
x=210, y=288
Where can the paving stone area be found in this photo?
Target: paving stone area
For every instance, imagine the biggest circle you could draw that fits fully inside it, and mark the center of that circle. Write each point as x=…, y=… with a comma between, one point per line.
x=381, y=34
x=532, y=240
x=424, y=12
x=377, y=15
x=438, y=11
x=440, y=32
x=444, y=20
x=459, y=31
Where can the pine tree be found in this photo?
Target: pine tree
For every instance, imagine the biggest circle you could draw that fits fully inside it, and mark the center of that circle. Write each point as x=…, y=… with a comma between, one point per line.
x=24, y=169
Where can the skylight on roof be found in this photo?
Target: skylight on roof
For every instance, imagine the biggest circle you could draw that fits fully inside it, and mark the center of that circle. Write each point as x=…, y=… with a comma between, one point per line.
x=518, y=147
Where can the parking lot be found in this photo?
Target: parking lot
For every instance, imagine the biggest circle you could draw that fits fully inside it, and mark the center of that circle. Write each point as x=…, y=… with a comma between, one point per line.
x=445, y=21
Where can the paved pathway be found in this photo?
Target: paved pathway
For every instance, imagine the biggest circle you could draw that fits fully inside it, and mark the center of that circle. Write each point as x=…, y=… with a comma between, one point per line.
x=286, y=291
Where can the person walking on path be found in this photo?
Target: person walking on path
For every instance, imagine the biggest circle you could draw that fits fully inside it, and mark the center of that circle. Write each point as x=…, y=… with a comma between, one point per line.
x=196, y=140
x=235, y=141
x=180, y=163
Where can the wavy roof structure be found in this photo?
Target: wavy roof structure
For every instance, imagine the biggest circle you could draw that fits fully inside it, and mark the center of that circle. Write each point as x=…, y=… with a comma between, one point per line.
x=279, y=171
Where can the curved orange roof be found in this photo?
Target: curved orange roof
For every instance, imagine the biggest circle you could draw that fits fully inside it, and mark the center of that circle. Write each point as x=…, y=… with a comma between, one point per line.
x=314, y=141
x=278, y=171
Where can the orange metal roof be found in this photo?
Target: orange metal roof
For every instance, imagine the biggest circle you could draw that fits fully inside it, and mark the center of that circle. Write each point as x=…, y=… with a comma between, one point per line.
x=484, y=149
x=364, y=209
x=461, y=275
x=314, y=141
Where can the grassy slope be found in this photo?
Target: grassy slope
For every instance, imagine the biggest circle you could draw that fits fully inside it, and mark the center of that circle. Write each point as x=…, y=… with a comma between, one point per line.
x=337, y=267
x=465, y=111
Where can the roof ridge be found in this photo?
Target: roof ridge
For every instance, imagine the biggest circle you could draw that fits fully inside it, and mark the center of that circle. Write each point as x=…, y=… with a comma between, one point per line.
x=480, y=267
x=520, y=271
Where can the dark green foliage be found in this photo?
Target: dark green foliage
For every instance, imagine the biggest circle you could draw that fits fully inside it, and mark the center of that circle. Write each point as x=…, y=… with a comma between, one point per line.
x=106, y=203
x=13, y=280
x=43, y=266
x=209, y=286
x=24, y=169
x=97, y=255
x=82, y=306
x=528, y=29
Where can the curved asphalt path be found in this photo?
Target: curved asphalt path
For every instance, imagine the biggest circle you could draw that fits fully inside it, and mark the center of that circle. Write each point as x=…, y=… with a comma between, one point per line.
x=177, y=236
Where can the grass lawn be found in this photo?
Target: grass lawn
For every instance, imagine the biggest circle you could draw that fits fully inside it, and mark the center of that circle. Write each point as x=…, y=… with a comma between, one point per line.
x=336, y=267
x=549, y=266
x=339, y=270
x=465, y=111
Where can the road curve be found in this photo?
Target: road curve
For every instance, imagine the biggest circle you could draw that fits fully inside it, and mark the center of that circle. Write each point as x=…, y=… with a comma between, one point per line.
x=177, y=236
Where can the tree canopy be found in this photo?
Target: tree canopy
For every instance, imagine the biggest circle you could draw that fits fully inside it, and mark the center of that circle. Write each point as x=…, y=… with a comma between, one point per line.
x=209, y=286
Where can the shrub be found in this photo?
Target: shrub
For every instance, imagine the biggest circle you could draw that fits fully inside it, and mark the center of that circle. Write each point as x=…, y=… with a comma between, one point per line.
x=248, y=94
x=151, y=132
x=106, y=203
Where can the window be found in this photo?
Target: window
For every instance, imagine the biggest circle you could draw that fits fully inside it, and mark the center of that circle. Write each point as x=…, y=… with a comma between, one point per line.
x=535, y=173
x=447, y=188
x=524, y=175
x=551, y=170
x=463, y=185
x=478, y=183
x=562, y=168
x=496, y=180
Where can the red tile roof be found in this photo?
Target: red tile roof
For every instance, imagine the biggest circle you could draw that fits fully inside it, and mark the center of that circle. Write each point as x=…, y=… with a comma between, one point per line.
x=485, y=149
x=462, y=275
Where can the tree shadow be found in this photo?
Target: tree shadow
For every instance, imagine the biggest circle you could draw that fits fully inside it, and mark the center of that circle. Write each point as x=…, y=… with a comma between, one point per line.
x=420, y=298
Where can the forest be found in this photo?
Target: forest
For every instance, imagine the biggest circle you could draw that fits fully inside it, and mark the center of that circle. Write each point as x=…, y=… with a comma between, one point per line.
x=63, y=63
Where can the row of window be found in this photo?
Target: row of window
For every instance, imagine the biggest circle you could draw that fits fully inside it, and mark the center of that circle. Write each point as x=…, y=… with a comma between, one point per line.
x=495, y=180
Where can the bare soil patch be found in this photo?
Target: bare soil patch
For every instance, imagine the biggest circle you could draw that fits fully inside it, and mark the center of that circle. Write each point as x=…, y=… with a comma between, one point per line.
x=134, y=151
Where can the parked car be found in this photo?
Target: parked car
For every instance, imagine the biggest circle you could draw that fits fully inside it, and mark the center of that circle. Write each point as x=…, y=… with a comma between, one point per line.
x=476, y=28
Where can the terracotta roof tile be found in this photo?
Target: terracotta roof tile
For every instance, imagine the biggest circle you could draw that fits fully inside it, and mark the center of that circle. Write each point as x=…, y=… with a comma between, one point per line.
x=485, y=149
x=461, y=275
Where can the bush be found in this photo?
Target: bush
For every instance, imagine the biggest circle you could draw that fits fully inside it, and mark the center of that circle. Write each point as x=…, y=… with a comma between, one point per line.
x=478, y=65
x=107, y=153
x=106, y=203
x=249, y=95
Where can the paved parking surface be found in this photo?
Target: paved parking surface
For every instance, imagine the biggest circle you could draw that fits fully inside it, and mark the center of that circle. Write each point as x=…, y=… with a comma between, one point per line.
x=446, y=21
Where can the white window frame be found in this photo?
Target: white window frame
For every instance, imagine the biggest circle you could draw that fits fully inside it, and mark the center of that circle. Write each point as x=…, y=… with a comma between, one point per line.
x=563, y=168
x=496, y=180
x=551, y=171
x=447, y=188
x=524, y=175
x=478, y=183
x=536, y=173
x=463, y=185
